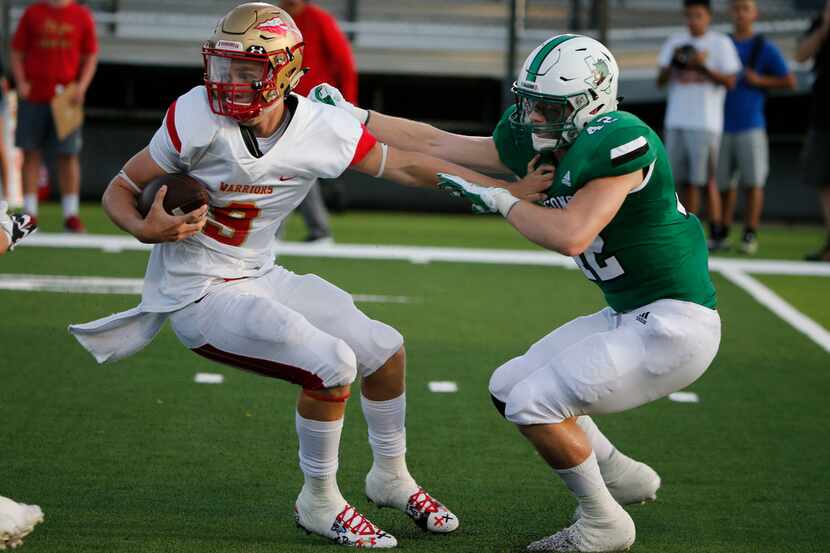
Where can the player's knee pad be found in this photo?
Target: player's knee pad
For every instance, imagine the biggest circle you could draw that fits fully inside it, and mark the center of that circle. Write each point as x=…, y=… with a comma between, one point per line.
x=530, y=403
x=504, y=379
x=383, y=342
x=344, y=362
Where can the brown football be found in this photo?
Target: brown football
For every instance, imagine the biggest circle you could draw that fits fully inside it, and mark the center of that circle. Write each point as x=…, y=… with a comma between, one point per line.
x=184, y=194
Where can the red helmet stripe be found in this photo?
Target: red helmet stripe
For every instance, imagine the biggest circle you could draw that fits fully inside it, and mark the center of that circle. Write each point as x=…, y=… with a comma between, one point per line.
x=171, y=127
x=364, y=145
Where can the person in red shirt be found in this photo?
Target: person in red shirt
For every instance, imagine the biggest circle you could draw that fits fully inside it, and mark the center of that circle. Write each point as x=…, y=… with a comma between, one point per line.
x=328, y=56
x=54, y=46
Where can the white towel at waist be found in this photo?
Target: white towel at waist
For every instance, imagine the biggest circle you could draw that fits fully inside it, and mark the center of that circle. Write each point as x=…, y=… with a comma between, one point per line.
x=119, y=335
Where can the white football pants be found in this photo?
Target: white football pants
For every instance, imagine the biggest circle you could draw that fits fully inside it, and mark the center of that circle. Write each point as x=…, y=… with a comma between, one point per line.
x=299, y=328
x=608, y=362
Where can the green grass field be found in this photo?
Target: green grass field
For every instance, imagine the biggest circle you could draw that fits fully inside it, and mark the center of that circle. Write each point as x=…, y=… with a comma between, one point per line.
x=136, y=457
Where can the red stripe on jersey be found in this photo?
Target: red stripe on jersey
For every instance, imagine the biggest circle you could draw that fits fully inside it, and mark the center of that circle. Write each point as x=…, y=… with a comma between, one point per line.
x=296, y=375
x=171, y=128
x=364, y=145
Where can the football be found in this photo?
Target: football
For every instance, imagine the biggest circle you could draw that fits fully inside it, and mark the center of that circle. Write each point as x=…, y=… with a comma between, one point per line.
x=184, y=194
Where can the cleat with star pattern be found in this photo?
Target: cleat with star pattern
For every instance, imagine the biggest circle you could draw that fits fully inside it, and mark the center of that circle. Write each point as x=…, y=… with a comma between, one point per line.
x=403, y=494
x=348, y=528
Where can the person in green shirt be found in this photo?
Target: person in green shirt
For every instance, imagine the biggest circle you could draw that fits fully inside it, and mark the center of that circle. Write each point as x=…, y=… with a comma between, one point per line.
x=613, y=207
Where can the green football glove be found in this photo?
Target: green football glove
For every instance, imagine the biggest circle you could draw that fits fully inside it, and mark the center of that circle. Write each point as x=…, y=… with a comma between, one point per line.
x=483, y=199
x=327, y=94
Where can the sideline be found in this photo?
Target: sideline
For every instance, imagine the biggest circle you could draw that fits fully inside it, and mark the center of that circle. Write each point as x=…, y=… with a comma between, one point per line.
x=128, y=286
x=734, y=270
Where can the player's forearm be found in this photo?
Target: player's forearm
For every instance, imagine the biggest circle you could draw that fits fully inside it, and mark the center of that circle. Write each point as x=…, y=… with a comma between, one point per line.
x=553, y=229
x=406, y=134
x=120, y=205
x=417, y=169
x=88, y=68
x=5, y=242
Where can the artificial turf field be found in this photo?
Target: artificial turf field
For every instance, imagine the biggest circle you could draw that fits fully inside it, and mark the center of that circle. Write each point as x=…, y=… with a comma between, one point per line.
x=136, y=457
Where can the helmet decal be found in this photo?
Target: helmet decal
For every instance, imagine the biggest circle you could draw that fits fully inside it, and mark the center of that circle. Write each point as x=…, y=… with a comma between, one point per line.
x=229, y=45
x=275, y=26
x=257, y=49
x=599, y=73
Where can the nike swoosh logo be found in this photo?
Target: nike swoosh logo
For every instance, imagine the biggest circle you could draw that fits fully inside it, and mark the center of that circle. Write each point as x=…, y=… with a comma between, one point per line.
x=283, y=179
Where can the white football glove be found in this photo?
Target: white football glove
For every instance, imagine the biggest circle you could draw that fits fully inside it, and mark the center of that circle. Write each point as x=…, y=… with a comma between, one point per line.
x=327, y=94
x=484, y=199
x=17, y=227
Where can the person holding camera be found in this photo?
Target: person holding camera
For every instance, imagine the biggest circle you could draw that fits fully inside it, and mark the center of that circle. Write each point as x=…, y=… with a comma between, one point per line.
x=698, y=65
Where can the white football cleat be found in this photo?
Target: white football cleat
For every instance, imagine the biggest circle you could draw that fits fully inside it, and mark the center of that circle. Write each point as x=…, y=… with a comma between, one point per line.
x=631, y=483
x=347, y=527
x=594, y=535
x=406, y=496
x=17, y=520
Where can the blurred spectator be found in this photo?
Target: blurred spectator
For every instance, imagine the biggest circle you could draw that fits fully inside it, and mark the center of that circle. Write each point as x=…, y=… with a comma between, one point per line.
x=814, y=44
x=744, y=151
x=699, y=65
x=4, y=162
x=54, y=45
x=328, y=56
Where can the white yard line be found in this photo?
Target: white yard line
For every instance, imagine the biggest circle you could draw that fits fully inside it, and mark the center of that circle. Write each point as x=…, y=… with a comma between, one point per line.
x=420, y=254
x=733, y=269
x=128, y=286
x=777, y=305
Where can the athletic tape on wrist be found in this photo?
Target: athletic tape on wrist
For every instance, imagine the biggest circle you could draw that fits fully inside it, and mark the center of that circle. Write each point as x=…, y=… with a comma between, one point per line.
x=129, y=181
x=504, y=201
x=384, y=150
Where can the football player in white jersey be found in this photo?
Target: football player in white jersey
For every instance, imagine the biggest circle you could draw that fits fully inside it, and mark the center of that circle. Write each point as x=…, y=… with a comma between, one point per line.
x=258, y=149
x=13, y=228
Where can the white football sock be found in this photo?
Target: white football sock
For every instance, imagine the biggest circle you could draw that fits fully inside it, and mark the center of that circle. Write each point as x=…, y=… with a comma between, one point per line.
x=387, y=433
x=585, y=482
x=70, y=204
x=30, y=204
x=319, y=446
x=602, y=447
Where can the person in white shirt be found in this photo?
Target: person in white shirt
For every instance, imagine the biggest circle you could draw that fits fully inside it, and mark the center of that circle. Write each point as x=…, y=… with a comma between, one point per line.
x=258, y=148
x=698, y=65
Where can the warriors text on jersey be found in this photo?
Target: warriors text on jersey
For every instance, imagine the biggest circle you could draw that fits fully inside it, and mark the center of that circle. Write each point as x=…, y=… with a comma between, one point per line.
x=652, y=249
x=250, y=195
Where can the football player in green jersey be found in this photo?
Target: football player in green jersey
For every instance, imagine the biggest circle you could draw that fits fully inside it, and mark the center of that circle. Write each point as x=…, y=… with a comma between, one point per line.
x=612, y=205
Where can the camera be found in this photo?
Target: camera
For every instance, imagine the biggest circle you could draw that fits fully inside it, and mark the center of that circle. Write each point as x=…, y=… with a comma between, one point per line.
x=683, y=56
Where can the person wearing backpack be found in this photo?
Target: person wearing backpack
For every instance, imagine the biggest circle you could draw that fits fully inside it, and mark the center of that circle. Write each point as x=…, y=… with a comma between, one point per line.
x=744, y=150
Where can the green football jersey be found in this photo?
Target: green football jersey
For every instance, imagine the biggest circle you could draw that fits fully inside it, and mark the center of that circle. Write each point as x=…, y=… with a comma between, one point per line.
x=652, y=249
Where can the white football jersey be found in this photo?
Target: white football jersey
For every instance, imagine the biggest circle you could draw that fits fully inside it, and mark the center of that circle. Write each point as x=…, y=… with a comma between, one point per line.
x=249, y=196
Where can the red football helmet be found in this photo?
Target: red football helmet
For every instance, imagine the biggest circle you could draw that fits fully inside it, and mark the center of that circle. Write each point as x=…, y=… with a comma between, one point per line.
x=253, y=59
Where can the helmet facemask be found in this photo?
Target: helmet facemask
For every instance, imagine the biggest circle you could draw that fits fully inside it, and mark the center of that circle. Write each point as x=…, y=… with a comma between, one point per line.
x=550, y=120
x=241, y=85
